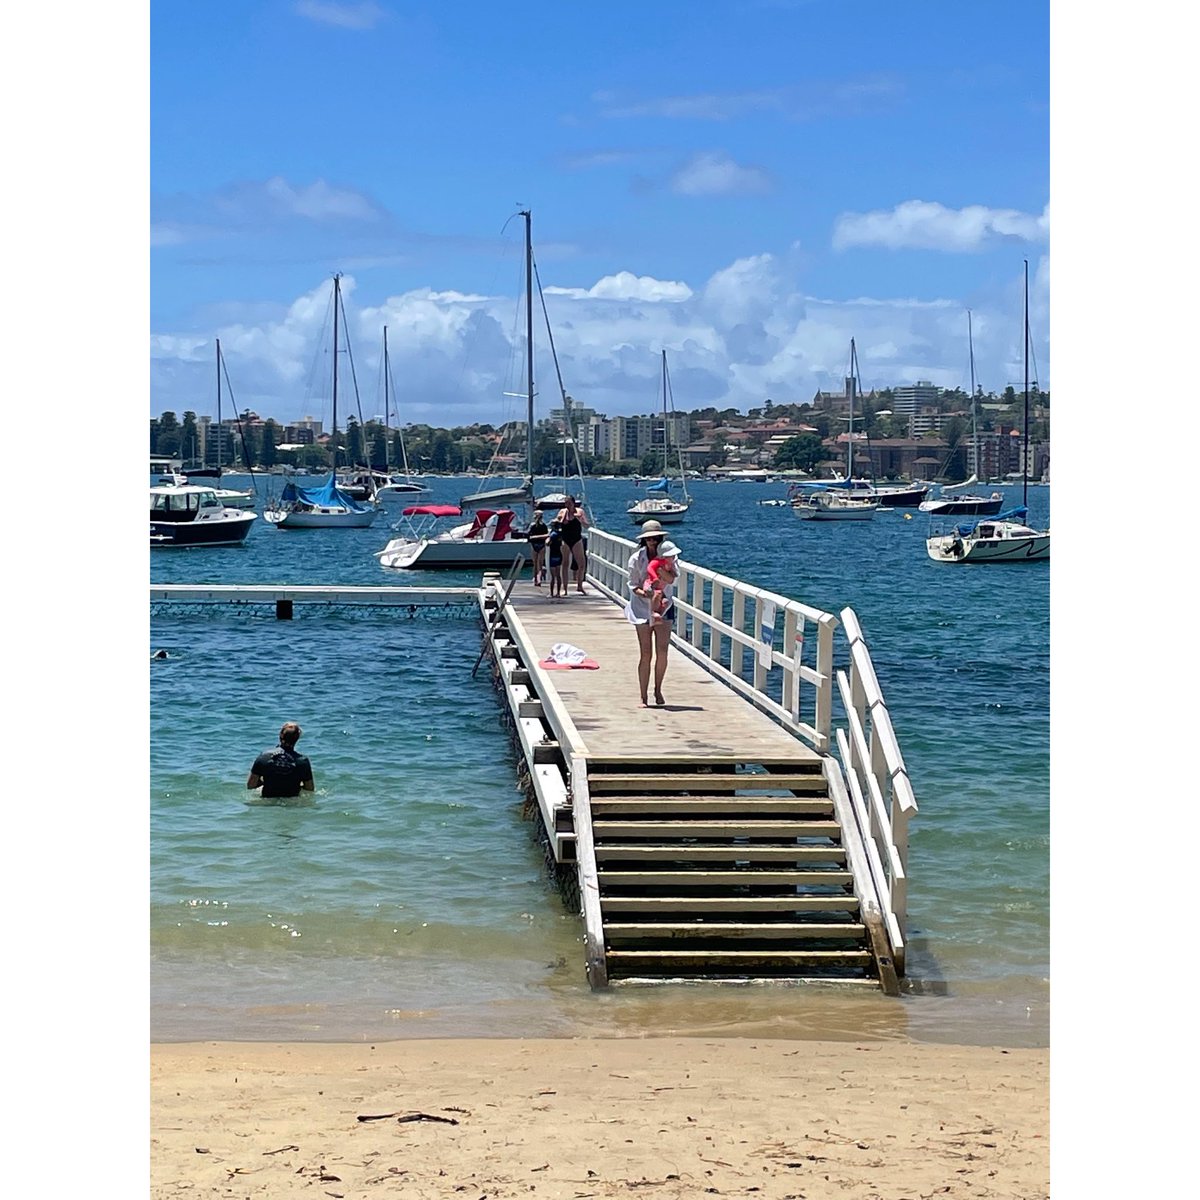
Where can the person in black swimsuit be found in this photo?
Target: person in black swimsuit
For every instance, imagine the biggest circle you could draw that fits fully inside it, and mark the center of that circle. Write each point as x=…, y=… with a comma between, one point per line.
x=573, y=520
x=281, y=772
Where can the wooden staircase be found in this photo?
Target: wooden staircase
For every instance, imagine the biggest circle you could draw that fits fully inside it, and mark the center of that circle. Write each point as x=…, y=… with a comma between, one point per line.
x=726, y=871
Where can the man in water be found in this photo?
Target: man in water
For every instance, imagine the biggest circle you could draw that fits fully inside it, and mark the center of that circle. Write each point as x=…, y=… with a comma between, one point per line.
x=281, y=772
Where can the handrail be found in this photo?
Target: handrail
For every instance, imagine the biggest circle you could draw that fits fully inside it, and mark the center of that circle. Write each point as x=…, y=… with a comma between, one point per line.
x=878, y=778
x=769, y=627
x=756, y=642
x=555, y=714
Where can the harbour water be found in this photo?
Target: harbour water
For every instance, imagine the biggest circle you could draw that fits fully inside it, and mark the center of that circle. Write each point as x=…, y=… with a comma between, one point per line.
x=410, y=898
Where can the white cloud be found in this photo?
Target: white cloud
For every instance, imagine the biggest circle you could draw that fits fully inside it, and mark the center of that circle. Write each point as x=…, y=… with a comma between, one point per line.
x=746, y=333
x=624, y=285
x=926, y=225
x=316, y=201
x=716, y=174
x=364, y=15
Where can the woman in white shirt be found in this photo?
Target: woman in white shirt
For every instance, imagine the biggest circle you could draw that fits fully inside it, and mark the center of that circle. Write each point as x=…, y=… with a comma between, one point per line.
x=654, y=639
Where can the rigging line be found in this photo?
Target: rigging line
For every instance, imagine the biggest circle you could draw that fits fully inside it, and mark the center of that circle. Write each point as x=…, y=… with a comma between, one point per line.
x=310, y=384
x=566, y=400
x=362, y=437
x=669, y=404
x=238, y=421
x=399, y=430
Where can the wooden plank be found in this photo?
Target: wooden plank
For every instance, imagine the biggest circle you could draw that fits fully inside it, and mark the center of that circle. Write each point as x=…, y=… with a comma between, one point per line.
x=764, y=806
x=677, y=958
x=733, y=904
x=767, y=930
x=710, y=879
x=630, y=852
x=705, y=782
x=737, y=827
x=599, y=763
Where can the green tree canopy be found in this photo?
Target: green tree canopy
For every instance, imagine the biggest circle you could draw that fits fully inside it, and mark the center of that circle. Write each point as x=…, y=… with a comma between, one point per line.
x=800, y=453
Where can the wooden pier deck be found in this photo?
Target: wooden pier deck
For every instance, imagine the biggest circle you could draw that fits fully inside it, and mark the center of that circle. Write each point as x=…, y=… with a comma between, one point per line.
x=702, y=721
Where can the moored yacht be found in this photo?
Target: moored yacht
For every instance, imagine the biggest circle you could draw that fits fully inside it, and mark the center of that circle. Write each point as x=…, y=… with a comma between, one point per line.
x=186, y=515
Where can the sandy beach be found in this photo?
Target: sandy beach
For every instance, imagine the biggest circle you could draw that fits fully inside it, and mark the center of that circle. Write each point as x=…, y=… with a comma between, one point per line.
x=665, y=1117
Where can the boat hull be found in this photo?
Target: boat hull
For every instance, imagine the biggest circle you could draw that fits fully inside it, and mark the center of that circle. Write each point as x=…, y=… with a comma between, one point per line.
x=228, y=530
x=406, y=554
x=966, y=506
x=665, y=511
x=1034, y=547
x=836, y=514
x=319, y=518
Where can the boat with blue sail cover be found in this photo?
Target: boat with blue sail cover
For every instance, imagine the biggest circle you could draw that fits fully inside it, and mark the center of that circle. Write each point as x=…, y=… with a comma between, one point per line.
x=323, y=507
x=328, y=506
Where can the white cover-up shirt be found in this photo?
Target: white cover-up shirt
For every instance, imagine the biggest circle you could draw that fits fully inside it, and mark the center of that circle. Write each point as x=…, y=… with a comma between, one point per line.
x=637, y=611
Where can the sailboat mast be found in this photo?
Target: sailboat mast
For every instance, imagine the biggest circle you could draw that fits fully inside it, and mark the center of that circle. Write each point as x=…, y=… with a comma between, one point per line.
x=386, y=372
x=974, y=426
x=528, y=215
x=666, y=448
x=850, y=433
x=1025, y=446
x=337, y=296
x=218, y=408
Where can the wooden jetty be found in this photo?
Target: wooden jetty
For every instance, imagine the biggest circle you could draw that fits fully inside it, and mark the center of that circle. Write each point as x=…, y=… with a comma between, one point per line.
x=752, y=828
x=733, y=833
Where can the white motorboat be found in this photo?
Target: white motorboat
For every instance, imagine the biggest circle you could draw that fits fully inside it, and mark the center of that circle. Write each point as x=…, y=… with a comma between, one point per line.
x=185, y=515
x=487, y=540
x=1003, y=538
x=833, y=506
x=657, y=503
x=660, y=508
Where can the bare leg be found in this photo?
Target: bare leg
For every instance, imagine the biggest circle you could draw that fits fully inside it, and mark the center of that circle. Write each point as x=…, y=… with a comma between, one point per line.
x=577, y=556
x=644, y=654
x=662, y=644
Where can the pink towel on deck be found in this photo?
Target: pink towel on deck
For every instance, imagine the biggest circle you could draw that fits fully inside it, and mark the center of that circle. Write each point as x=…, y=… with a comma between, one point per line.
x=565, y=657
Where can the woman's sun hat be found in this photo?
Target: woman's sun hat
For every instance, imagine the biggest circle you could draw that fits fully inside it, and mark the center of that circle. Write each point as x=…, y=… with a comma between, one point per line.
x=651, y=529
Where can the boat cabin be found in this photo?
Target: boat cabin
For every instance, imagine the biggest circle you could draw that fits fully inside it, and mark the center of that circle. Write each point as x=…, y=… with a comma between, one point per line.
x=182, y=503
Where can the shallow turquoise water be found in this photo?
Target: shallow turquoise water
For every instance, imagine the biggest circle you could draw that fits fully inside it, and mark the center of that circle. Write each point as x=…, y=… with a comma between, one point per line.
x=411, y=898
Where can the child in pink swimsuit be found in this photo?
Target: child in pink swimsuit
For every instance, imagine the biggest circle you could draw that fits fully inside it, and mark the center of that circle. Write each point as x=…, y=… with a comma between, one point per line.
x=659, y=573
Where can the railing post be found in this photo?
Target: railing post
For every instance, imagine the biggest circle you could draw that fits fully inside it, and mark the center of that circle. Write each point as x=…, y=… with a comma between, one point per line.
x=738, y=621
x=793, y=625
x=823, y=720
x=717, y=612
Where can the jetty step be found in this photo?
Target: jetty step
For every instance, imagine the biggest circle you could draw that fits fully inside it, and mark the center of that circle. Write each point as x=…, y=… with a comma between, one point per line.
x=707, y=781
x=731, y=872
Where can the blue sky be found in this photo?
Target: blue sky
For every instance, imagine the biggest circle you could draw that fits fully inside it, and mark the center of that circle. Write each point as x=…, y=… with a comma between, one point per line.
x=747, y=183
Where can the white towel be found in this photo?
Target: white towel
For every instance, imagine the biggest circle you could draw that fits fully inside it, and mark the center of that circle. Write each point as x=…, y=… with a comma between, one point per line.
x=564, y=652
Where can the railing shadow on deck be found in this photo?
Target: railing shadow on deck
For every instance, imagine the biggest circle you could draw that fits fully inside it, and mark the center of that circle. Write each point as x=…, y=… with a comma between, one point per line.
x=780, y=655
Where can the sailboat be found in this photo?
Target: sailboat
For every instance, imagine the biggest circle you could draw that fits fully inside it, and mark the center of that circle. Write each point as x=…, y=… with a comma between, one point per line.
x=965, y=504
x=657, y=502
x=228, y=497
x=327, y=506
x=386, y=485
x=1005, y=537
x=490, y=538
x=864, y=491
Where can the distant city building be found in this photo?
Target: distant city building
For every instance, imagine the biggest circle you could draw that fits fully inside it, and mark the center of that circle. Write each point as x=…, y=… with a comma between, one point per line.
x=908, y=399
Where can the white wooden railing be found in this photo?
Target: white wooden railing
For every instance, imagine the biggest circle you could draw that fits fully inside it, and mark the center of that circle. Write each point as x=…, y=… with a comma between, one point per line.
x=779, y=654
x=741, y=634
x=880, y=790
